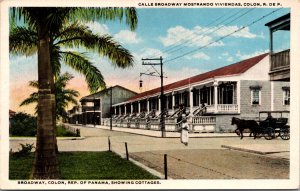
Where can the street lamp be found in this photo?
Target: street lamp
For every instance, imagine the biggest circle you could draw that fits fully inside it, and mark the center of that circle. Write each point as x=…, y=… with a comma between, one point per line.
x=94, y=119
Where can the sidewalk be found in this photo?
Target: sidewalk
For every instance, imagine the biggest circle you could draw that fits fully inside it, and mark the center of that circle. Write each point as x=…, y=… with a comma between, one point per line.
x=279, y=151
x=153, y=133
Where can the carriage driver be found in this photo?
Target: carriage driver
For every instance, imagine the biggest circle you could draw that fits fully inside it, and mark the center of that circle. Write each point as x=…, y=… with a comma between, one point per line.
x=269, y=118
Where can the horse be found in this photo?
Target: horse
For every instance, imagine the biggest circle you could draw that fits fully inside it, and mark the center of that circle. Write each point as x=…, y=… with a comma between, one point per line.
x=243, y=124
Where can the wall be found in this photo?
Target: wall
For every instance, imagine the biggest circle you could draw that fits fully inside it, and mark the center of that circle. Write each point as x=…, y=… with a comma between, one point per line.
x=223, y=123
x=249, y=111
x=278, y=96
x=259, y=71
x=119, y=95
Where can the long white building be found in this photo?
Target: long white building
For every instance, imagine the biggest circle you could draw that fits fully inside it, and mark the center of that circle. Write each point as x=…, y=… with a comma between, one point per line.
x=241, y=89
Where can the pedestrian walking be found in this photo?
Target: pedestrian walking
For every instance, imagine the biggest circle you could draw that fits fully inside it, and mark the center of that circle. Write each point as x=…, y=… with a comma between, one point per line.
x=184, y=137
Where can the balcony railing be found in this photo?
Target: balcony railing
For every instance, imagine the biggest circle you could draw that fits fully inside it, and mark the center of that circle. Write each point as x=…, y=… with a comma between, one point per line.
x=90, y=108
x=196, y=123
x=223, y=108
x=204, y=120
x=280, y=60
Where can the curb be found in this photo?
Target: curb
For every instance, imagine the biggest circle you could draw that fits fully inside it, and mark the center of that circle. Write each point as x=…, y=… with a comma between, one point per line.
x=249, y=150
x=157, y=133
x=34, y=138
x=177, y=135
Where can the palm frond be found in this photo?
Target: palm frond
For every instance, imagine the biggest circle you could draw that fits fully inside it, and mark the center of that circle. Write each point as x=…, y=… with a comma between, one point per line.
x=62, y=80
x=131, y=17
x=33, y=98
x=77, y=35
x=22, y=40
x=57, y=17
x=82, y=65
x=54, y=17
x=69, y=31
x=34, y=84
x=25, y=14
x=71, y=92
x=70, y=99
x=55, y=61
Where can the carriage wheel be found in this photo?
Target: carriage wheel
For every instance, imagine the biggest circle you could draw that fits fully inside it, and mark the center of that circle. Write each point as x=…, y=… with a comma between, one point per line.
x=277, y=132
x=269, y=133
x=285, y=133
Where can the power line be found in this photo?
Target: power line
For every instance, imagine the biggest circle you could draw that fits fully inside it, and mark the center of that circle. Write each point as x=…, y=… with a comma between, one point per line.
x=192, y=51
x=204, y=32
x=182, y=41
x=207, y=34
x=207, y=29
x=179, y=41
x=180, y=56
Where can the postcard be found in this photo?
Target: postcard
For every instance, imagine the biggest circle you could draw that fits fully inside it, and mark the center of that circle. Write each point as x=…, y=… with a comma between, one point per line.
x=149, y=94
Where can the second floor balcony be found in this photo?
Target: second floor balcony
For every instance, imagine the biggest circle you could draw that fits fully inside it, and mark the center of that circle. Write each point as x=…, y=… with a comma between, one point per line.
x=280, y=65
x=90, y=108
x=280, y=60
x=279, y=48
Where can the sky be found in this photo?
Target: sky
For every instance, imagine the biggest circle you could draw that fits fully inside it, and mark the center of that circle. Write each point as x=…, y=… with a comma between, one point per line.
x=190, y=40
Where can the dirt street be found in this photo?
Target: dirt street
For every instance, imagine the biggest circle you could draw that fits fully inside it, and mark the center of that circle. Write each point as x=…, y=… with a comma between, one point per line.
x=215, y=164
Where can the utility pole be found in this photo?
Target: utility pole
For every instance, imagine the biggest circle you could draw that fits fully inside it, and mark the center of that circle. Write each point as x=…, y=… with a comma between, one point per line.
x=111, y=108
x=148, y=61
x=94, y=119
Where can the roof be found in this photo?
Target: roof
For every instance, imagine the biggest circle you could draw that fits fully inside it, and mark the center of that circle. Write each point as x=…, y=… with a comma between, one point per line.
x=91, y=96
x=11, y=112
x=280, y=21
x=233, y=69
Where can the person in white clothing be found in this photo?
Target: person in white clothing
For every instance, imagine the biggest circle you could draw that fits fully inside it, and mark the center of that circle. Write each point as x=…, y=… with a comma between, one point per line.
x=184, y=131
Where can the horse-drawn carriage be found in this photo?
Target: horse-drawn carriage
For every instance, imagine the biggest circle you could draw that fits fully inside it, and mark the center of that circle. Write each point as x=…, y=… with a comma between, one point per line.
x=276, y=122
x=268, y=126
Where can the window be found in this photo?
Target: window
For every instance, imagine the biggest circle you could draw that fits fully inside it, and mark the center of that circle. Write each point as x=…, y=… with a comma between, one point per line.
x=168, y=101
x=255, y=96
x=204, y=95
x=286, y=96
x=177, y=99
x=195, y=97
x=225, y=93
x=186, y=99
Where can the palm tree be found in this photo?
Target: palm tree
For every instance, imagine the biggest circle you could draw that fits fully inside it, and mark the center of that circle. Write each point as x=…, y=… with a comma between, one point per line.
x=23, y=41
x=63, y=96
x=47, y=22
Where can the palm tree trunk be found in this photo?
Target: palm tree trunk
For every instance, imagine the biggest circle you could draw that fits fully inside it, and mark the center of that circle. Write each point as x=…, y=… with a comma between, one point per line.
x=46, y=163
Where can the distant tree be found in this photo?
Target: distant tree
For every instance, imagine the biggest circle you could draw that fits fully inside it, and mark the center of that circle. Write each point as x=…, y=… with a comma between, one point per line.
x=63, y=96
x=23, y=124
